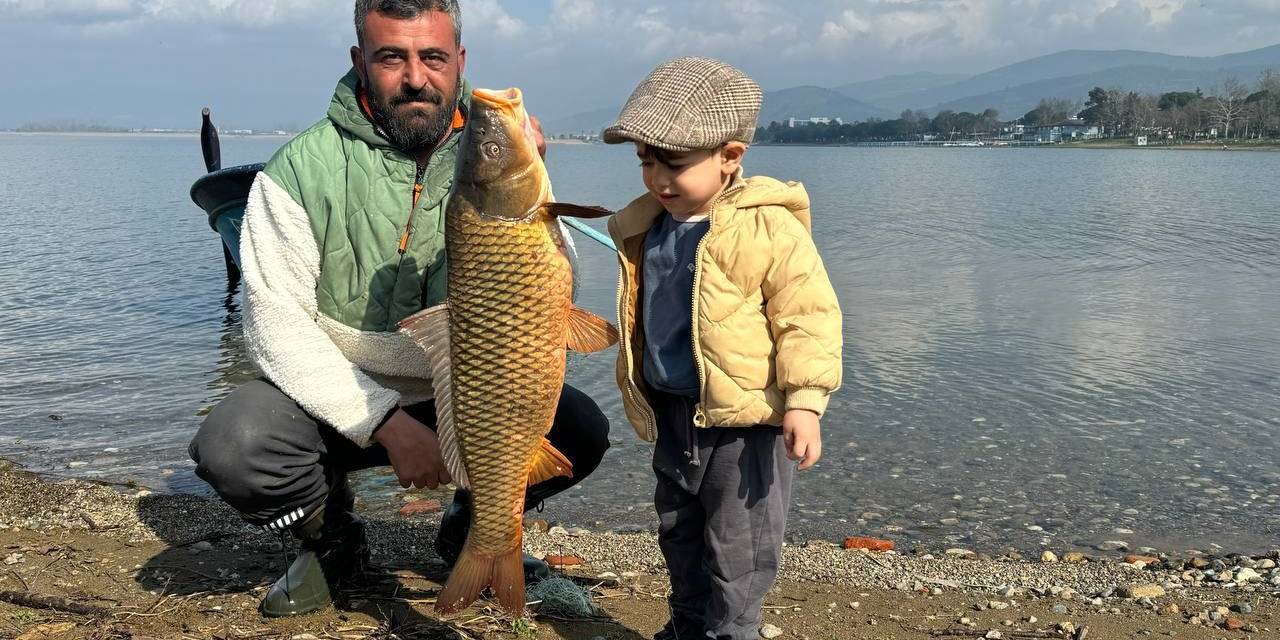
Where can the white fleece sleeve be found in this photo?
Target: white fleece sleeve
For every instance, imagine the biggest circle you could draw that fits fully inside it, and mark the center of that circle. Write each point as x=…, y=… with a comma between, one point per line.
x=280, y=261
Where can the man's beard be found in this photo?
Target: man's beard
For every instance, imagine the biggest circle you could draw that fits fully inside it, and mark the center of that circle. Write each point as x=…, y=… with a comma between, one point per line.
x=414, y=132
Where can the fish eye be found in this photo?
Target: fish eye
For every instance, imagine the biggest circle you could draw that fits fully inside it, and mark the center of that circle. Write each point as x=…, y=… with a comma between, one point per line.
x=492, y=149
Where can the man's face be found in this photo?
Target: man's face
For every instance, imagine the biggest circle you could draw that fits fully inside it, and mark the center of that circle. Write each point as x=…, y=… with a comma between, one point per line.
x=411, y=70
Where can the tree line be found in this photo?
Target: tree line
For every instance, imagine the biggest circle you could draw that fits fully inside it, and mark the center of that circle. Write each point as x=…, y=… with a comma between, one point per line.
x=1233, y=110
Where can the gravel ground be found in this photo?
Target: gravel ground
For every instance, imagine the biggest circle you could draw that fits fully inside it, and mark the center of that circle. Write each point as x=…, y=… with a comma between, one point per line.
x=91, y=528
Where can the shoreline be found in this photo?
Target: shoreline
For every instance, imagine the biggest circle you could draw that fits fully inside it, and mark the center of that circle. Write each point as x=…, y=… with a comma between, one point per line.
x=185, y=566
x=382, y=497
x=1271, y=146
x=144, y=134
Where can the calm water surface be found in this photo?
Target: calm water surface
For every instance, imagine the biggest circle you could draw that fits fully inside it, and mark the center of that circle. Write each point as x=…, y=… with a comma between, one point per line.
x=1043, y=347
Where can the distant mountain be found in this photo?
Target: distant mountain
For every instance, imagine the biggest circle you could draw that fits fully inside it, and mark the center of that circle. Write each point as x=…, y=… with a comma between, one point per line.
x=577, y=124
x=1016, y=101
x=798, y=102
x=1016, y=88
x=898, y=91
x=810, y=102
x=1266, y=56
x=1013, y=89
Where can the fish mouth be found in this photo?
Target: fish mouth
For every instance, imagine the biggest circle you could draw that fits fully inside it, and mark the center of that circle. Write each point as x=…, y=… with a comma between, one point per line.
x=509, y=104
x=506, y=100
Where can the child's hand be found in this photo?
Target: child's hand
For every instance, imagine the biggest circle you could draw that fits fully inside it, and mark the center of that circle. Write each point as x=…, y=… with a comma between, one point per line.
x=803, y=437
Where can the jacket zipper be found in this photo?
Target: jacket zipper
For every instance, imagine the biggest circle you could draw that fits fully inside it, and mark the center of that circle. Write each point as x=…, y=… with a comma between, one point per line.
x=699, y=415
x=649, y=421
x=417, y=193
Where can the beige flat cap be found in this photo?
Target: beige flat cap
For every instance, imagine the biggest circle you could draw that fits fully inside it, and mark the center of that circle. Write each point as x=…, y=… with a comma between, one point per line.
x=689, y=104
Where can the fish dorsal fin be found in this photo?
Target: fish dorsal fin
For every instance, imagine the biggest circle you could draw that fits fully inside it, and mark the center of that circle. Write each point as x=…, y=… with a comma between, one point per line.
x=589, y=333
x=430, y=330
x=564, y=209
x=549, y=463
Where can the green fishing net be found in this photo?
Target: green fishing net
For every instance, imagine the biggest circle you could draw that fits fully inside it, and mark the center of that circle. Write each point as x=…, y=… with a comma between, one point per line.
x=561, y=597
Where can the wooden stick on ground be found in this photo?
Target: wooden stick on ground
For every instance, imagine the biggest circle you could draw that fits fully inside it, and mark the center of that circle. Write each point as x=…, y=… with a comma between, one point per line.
x=35, y=601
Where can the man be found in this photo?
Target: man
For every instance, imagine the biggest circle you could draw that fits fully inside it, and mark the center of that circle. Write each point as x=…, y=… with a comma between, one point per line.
x=343, y=238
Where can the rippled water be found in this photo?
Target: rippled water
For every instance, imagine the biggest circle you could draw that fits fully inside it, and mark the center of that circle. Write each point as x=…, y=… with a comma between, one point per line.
x=1043, y=346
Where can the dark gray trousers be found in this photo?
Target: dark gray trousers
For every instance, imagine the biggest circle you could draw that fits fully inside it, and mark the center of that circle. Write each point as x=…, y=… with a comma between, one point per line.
x=722, y=501
x=275, y=464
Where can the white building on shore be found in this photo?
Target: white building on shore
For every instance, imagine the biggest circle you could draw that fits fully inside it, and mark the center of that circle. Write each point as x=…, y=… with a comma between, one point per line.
x=804, y=122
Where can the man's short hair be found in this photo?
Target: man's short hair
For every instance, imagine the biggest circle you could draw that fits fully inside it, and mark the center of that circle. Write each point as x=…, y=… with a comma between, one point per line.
x=407, y=10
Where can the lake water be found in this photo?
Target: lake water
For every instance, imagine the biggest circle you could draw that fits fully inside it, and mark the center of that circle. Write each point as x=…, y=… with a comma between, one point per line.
x=1043, y=346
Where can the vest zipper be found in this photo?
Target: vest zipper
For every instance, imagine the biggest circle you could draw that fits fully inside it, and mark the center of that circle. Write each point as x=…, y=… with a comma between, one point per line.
x=417, y=193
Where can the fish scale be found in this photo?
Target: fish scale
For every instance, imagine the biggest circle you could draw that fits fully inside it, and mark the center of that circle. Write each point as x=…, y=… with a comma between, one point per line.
x=508, y=287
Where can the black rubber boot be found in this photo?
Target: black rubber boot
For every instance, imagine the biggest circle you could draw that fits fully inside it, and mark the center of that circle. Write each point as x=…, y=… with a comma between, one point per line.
x=454, y=525
x=681, y=629
x=334, y=554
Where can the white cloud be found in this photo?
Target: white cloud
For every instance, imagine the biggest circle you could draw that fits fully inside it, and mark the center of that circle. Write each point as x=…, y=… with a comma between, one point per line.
x=489, y=14
x=66, y=6
x=245, y=13
x=946, y=31
x=909, y=28
x=259, y=13
x=574, y=14
x=484, y=16
x=639, y=29
x=70, y=11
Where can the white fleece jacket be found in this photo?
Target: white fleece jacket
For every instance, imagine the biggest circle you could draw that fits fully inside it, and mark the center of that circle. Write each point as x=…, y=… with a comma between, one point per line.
x=344, y=377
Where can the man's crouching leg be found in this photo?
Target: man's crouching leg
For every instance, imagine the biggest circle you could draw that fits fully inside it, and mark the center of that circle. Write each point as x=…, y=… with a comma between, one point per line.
x=278, y=468
x=581, y=432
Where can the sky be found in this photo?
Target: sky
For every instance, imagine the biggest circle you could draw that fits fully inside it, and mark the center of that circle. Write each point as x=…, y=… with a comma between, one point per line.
x=273, y=63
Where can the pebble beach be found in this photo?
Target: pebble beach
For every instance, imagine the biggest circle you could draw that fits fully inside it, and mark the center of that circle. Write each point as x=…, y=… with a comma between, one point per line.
x=120, y=554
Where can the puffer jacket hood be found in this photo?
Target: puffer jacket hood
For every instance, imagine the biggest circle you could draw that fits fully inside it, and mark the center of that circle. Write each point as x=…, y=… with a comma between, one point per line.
x=346, y=114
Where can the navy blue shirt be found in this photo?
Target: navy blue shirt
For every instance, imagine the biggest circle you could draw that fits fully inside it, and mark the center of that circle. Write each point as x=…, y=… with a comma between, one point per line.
x=667, y=307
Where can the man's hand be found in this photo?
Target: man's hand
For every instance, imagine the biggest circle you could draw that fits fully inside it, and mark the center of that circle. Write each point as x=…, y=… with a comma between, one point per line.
x=414, y=451
x=802, y=434
x=538, y=138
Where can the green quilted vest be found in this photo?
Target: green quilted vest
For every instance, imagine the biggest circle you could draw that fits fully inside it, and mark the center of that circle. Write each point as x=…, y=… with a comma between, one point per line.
x=358, y=193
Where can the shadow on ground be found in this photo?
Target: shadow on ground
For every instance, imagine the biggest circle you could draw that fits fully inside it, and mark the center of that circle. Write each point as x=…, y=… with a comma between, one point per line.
x=211, y=552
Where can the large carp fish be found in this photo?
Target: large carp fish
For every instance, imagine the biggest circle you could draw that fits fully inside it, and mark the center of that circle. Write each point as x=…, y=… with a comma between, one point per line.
x=497, y=346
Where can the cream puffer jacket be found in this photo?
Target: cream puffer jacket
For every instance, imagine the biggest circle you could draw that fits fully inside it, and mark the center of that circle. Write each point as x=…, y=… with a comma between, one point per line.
x=766, y=322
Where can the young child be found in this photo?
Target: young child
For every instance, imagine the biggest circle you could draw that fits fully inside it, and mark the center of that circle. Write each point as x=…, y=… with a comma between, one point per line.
x=730, y=340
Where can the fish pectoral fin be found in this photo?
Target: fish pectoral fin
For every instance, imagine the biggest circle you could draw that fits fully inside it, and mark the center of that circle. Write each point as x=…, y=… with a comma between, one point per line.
x=589, y=333
x=422, y=325
x=566, y=210
x=549, y=463
x=429, y=329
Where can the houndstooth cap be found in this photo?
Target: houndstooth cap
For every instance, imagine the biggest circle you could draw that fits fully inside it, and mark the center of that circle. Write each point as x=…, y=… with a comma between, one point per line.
x=689, y=104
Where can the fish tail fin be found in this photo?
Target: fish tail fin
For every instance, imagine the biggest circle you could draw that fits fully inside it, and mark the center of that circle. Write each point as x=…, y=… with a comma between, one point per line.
x=508, y=580
x=504, y=573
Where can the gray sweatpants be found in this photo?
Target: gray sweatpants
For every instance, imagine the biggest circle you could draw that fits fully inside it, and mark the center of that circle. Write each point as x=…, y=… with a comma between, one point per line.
x=722, y=500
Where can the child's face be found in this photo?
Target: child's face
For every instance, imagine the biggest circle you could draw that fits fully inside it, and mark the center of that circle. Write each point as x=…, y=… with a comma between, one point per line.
x=686, y=183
